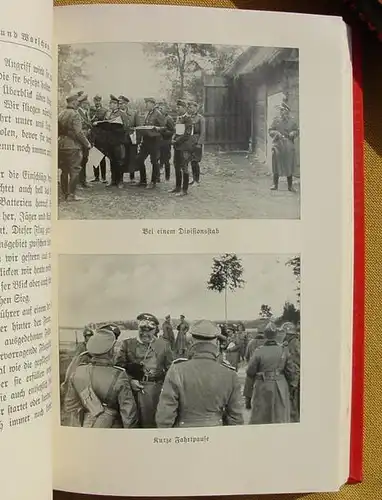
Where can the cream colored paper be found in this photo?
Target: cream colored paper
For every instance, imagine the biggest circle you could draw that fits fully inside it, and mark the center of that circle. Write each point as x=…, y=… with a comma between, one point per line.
x=316, y=449
x=25, y=165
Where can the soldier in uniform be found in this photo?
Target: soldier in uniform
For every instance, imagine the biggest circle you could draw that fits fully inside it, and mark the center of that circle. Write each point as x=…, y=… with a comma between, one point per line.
x=272, y=370
x=99, y=393
x=253, y=344
x=198, y=138
x=167, y=131
x=182, y=149
x=284, y=132
x=97, y=114
x=72, y=142
x=233, y=347
x=84, y=112
x=130, y=121
x=146, y=360
x=292, y=342
x=168, y=332
x=150, y=143
x=180, y=346
x=115, y=146
x=200, y=391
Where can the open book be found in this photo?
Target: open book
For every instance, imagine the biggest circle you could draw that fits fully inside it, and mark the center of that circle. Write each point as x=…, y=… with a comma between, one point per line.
x=176, y=253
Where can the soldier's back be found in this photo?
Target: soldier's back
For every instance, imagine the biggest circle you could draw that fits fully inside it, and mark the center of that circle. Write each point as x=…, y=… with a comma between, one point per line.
x=206, y=387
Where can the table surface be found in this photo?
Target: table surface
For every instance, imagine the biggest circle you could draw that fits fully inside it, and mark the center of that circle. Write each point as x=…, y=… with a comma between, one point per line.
x=371, y=488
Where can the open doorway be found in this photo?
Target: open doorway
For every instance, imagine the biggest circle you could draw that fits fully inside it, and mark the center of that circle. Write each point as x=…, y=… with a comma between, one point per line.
x=273, y=103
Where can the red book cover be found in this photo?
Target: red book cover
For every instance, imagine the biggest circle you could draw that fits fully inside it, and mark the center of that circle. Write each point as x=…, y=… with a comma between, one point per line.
x=356, y=437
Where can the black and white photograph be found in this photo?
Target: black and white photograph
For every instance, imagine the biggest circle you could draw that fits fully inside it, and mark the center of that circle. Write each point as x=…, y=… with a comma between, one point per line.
x=185, y=340
x=178, y=131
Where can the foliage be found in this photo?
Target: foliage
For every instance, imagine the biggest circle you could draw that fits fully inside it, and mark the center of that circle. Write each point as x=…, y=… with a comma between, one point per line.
x=226, y=275
x=265, y=311
x=71, y=70
x=295, y=264
x=186, y=63
x=290, y=313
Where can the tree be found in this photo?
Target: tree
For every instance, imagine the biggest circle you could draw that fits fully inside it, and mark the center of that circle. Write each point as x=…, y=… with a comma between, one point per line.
x=290, y=313
x=186, y=63
x=265, y=311
x=226, y=275
x=71, y=70
x=295, y=264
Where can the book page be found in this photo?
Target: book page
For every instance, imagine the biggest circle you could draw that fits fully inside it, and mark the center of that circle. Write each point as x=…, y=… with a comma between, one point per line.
x=201, y=268
x=25, y=265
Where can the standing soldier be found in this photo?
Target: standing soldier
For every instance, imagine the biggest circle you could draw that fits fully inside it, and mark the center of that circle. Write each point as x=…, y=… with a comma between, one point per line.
x=150, y=143
x=181, y=339
x=115, y=139
x=146, y=360
x=167, y=131
x=130, y=121
x=100, y=394
x=198, y=138
x=234, y=347
x=71, y=144
x=80, y=356
x=97, y=114
x=182, y=149
x=168, y=332
x=84, y=112
x=200, y=391
x=253, y=344
x=283, y=132
x=272, y=369
x=292, y=341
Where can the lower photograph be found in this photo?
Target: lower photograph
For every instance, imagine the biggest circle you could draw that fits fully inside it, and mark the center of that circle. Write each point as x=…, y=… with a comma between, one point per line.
x=161, y=341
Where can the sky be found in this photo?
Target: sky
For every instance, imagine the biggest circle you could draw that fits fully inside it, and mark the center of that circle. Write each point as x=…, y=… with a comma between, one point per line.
x=119, y=287
x=121, y=68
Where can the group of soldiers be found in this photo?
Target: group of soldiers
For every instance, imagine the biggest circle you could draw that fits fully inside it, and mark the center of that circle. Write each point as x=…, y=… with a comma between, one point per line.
x=127, y=140
x=159, y=379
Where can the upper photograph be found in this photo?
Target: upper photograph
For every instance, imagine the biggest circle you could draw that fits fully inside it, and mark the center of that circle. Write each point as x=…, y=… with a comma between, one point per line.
x=178, y=131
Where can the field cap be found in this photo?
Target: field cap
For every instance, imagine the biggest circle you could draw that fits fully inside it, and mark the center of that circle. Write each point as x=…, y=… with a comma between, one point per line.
x=204, y=329
x=101, y=342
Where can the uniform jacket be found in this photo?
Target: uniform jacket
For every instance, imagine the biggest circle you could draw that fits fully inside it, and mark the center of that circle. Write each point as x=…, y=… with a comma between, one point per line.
x=168, y=130
x=199, y=129
x=70, y=133
x=183, y=142
x=112, y=387
x=200, y=392
x=86, y=121
x=154, y=358
x=130, y=120
x=168, y=333
x=272, y=371
x=253, y=344
x=97, y=113
x=156, y=119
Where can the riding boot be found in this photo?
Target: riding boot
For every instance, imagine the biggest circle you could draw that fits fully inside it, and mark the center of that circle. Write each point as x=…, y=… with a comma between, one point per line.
x=275, y=182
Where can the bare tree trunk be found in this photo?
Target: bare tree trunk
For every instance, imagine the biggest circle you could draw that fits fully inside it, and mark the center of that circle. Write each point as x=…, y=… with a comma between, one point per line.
x=225, y=305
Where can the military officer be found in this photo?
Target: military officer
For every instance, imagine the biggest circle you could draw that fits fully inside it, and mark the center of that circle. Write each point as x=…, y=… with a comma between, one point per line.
x=97, y=114
x=272, y=370
x=167, y=131
x=84, y=112
x=150, y=143
x=168, y=332
x=146, y=360
x=115, y=147
x=253, y=344
x=181, y=343
x=234, y=346
x=72, y=142
x=200, y=391
x=292, y=342
x=99, y=393
x=182, y=149
x=130, y=121
x=198, y=138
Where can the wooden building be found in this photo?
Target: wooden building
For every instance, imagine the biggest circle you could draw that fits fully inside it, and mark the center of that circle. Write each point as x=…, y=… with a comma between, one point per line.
x=240, y=105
